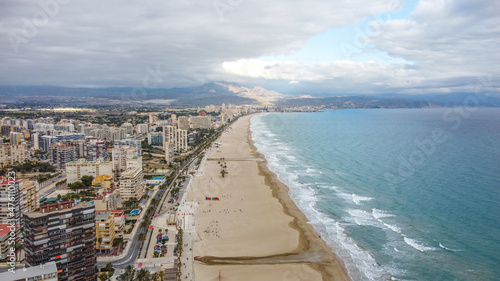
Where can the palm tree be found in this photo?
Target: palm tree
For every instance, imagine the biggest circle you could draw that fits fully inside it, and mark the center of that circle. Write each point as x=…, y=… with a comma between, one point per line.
x=142, y=275
x=162, y=275
x=103, y=277
x=18, y=248
x=142, y=237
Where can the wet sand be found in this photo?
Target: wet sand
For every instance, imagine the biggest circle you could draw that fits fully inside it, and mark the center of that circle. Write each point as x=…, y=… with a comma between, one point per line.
x=254, y=231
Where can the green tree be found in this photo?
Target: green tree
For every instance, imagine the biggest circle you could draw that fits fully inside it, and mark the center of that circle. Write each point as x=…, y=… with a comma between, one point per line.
x=103, y=277
x=142, y=275
x=76, y=185
x=87, y=181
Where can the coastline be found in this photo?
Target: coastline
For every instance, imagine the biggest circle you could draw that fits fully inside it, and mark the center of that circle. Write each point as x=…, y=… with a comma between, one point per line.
x=256, y=232
x=331, y=267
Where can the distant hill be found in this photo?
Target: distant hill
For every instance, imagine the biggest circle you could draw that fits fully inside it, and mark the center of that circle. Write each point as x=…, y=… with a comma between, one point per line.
x=222, y=92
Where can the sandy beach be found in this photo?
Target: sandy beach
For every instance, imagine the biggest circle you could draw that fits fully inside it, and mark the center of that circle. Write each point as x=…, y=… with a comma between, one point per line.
x=254, y=231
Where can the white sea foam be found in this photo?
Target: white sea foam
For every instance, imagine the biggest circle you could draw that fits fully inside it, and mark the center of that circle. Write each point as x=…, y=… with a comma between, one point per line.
x=415, y=244
x=359, y=264
x=358, y=199
x=361, y=217
x=378, y=214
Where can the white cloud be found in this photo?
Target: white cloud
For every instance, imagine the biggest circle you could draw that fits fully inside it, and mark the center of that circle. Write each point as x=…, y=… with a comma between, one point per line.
x=116, y=43
x=111, y=43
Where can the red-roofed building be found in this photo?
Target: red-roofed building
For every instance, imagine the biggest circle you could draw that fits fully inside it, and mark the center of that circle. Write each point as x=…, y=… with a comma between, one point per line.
x=4, y=241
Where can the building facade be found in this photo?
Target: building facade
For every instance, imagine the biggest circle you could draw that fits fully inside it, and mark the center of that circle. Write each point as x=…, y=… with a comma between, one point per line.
x=96, y=149
x=60, y=154
x=77, y=169
x=65, y=234
x=43, y=272
x=132, y=184
x=12, y=154
x=105, y=231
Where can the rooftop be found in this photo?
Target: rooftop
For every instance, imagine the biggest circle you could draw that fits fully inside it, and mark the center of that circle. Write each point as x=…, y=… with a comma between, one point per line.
x=82, y=205
x=28, y=272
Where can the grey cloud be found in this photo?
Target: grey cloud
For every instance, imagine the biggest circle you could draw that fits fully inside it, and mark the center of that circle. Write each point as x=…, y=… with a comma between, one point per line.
x=111, y=43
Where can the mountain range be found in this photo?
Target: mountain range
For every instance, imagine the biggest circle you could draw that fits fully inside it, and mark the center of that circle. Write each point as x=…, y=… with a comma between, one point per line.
x=224, y=92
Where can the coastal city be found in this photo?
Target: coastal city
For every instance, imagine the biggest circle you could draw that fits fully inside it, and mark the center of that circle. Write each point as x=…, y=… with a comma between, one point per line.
x=106, y=200
x=232, y=140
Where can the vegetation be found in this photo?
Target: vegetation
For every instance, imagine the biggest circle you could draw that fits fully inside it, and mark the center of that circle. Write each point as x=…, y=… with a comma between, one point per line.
x=29, y=167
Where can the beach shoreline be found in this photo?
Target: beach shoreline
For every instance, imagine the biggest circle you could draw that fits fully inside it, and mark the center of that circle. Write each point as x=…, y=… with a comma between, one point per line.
x=256, y=232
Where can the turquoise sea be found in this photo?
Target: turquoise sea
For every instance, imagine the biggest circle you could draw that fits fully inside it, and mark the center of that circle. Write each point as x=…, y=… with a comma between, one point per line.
x=399, y=194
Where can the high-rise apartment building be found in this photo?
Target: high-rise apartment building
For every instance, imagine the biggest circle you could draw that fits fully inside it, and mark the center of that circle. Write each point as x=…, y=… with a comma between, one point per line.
x=105, y=231
x=201, y=122
x=60, y=154
x=12, y=154
x=169, y=152
x=132, y=184
x=65, y=234
x=28, y=192
x=183, y=123
x=16, y=138
x=46, y=141
x=155, y=138
x=142, y=128
x=96, y=149
x=129, y=142
x=176, y=136
x=10, y=204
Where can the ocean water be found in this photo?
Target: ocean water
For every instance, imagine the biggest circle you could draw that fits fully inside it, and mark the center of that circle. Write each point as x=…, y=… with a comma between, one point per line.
x=399, y=194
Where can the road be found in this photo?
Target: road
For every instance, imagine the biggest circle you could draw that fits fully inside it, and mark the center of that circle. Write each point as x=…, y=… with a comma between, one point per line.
x=130, y=257
x=46, y=184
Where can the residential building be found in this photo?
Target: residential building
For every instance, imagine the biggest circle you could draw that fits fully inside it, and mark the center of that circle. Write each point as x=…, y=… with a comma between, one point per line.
x=107, y=200
x=129, y=128
x=35, y=140
x=43, y=272
x=119, y=221
x=169, y=152
x=96, y=149
x=4, y=241
x=12, y=154
x=177, y=137
x=155, y=138
x=152, y=119
x=80, y=147
x=142, y=128
x=28, y=190
x=119, y=157
x=105, y=231
x=60, y=154
x=46, y=141
x=132, y=184
x=16, y=138
x=134, y=162
x=183, y=123
x=73, y=136
x=129, y=142
x=77, y=169
x=65, y=126
x=201, y=122
x=9, y=209
x=102, y=182
x=181, y=143
x=63, y=233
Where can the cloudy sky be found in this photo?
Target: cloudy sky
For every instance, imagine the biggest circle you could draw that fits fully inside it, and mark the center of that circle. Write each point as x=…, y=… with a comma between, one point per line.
x=292, y=46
